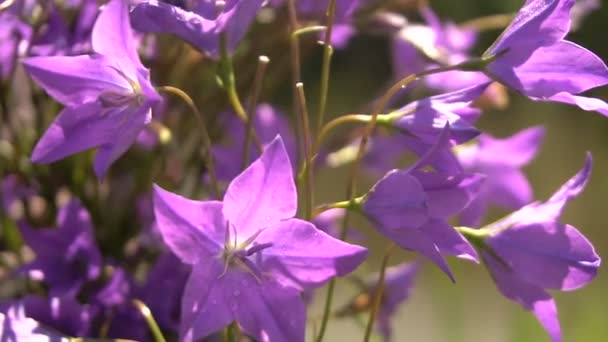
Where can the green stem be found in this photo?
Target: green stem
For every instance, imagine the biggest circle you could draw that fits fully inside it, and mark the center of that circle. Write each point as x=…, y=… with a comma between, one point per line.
x=229, y=82
x=204, y=133
x=378, y=294
x=305, y=129
x=257, y=88
x=147, y=314
x=296, y=70
x=306, y=30
x=325, y=68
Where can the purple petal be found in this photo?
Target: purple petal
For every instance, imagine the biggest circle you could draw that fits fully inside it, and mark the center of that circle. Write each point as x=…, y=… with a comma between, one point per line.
x=549, y=255
x=561, y=67
x=193, y=230
x=449, y=241
x=397, y=200
x=531, y=297
x=204, y=306
x=268, y=311
x=76, y=80
x=509, y=189
x=517, y=150
x=263, y=194
x=113, y=37
x=304, y=257
x=445, y=198
x=584, y=103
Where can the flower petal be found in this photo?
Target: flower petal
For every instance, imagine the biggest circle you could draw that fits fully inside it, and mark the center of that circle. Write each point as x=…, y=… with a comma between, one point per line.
x=263, y=194
x=549, y=255
x=75, y=80
x=304, y=257
x=192, y=229
x=520, y=148
x=204, y=308
x=449, y=241
x=531, y=297
x=113, y=37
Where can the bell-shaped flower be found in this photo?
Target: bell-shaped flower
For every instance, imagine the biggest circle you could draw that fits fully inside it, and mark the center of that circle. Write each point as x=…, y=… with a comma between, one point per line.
x=412, y=207
x=67, y=256
x=108, y=95
x=530, y=252
x=501, y=161
x=250, y=257
x=532, y=57
x=201, y=24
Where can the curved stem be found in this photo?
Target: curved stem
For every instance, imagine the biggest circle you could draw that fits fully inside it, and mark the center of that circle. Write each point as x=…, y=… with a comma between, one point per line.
x=147, y=314
x=204, y=133
x=229, y=81
x=306, y=30
x=307, y=163
x=296, y=70
x=490, y=22
x=325, y=69
x=357, y=118
x=257, y=88
x=378, y=294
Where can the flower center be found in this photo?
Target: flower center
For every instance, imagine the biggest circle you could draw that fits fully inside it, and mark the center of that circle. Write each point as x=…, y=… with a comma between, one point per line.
x=237, y=255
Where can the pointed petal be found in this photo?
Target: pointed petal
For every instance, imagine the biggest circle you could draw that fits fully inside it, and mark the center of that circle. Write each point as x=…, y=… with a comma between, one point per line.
x=127, y=129
x=397, y=200
x=305, y=257
x=531, y=297
x=263, y=194
x=76, y=80
x=446, y=199
x=472, y=214
x=192, y=229
x=561, y=67
x=204, y=306
x=549, y=255
x=449, y=241
x=584, y=103
x=519, y=149
x=268, y=311
x=75, y=129
x=113, y=37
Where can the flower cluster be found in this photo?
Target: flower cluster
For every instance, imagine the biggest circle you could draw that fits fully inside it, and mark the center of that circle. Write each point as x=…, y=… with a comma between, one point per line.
x=210, y=227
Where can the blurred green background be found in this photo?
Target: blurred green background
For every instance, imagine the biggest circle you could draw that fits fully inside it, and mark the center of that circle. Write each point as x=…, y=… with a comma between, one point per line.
x=472, y=309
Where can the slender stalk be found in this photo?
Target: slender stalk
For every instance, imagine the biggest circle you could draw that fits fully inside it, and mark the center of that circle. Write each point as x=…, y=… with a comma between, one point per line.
x=325, y=68
x=490, y=22
x=147, y=314
x=306, y=30
x=351, y=188
x=227, y=73
x=204, y=133
x=354, y=118
x=233, y=333
x=257, y=88
x=296, y=70
x=378, y=294
x=307, y=150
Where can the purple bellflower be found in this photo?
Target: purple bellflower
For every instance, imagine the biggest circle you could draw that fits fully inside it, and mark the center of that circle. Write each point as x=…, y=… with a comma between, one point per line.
x=530, y=252
x=412, y=207
x=108, y=95
x=532, y=57
x=501, y=161
x=13, y=33
x=398, y=286
x=201, y=24
x=67, y=256
x=250, y=257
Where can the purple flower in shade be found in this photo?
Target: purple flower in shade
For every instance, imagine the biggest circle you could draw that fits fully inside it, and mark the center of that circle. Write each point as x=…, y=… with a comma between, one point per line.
x=398, y=285
x=112, y=306
x=13, y=32
x=250, y=257
x=13, y=191
x=201, y=24
x=412, y=207
x=530, y=252
x=532, y=57
x=63, y=314
x=268, y=123
x=163, y=290
x=15, y=326
x=444, y=43
x=501, y=161
x=66, y=256
x=108, y=95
